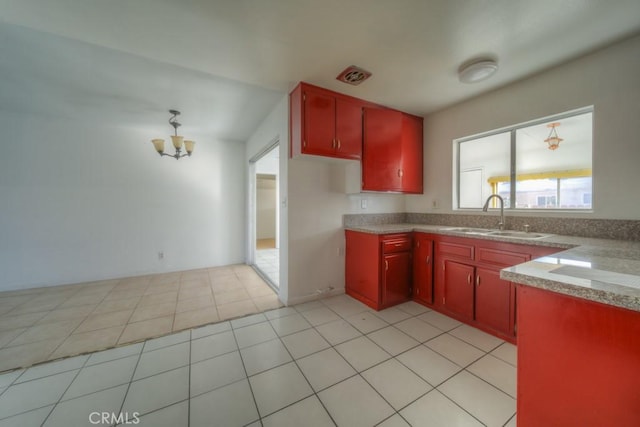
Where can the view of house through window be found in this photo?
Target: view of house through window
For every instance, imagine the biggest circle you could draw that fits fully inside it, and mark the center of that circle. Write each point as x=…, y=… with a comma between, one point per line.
x=540, y=165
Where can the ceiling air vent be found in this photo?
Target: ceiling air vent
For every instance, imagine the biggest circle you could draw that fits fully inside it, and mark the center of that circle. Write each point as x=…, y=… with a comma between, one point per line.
x=353, y=75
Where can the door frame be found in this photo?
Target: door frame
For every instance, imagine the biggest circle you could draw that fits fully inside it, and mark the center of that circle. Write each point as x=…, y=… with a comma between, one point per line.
x=251, y=232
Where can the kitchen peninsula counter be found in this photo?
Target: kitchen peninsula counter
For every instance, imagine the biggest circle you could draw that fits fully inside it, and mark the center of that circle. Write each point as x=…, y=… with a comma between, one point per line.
x=601, y=270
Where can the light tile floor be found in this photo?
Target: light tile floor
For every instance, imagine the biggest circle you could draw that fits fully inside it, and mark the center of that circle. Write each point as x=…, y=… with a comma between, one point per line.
x=324, y=363
x=268, y=262
x=43, y=324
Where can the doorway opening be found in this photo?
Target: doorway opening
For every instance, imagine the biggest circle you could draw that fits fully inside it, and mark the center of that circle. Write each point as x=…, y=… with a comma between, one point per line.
x=266, y=213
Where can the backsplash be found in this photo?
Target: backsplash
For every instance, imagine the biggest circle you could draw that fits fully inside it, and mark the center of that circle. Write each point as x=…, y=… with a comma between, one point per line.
x=354, y=220
x=582, y=227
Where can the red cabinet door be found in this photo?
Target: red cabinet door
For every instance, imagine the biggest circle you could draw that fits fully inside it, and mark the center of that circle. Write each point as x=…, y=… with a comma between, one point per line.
x=362, y=276
x=458, y=289
x=381, y=157
x=348, y=129
x=493, y=301
x=412, y=160
x=423, y=269
x=396, y=285
x=319, y=123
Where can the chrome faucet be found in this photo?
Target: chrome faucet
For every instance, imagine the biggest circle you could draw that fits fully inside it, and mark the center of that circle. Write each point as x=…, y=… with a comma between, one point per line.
x=486, y=207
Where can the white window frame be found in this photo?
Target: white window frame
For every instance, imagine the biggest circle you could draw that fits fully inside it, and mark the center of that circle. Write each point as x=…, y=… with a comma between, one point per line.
x=512, y=130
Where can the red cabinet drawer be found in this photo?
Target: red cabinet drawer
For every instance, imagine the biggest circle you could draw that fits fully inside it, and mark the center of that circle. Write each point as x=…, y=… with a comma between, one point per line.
x=501, y=258
x=396, y=245
x=455, y=249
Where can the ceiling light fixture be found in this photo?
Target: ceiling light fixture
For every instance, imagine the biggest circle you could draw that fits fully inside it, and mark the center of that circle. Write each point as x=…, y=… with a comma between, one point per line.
x=176, y=139
x=476, y=71
x=553, y=140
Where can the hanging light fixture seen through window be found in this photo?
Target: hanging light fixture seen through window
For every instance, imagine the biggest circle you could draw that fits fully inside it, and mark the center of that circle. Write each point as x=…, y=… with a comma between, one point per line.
x=176, y=139
x=553, y=140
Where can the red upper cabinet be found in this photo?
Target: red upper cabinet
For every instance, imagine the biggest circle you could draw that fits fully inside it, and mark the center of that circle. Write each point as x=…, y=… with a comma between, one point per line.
x=412, y=145
x=392, y=156
x=325, y=123
x=382, y=150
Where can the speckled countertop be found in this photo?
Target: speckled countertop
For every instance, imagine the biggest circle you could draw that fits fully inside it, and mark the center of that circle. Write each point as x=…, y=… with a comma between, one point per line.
x=602, y=270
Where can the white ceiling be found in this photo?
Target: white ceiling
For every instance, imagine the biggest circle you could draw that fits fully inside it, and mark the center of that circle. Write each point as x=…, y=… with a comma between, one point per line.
x=229, y=61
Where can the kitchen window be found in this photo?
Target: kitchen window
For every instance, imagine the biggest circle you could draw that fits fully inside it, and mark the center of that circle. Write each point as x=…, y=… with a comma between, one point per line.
x=521, y=164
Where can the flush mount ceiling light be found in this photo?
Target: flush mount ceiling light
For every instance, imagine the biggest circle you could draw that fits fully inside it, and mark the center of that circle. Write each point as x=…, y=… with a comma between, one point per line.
x=553, y=140
x=353, y=75
x=477, y=71
x=175, y=138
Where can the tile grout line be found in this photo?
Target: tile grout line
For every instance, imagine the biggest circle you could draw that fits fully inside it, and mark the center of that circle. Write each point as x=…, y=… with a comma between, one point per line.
x=434, y=388
x=189, y=383
x=294, y=360
x=65, y=390
x=395, y=411
x=133, y=372
x=253, y=396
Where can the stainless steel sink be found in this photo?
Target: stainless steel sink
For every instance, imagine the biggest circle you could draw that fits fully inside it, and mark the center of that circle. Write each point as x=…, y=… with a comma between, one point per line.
x=518, y=234
x=502, y=233
x=467, y=230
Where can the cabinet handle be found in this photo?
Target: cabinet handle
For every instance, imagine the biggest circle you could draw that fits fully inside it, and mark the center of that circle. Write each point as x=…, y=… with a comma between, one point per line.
x=442, y=265
x=469, y=278
x=428, y=257
x=400, y=173
x=477, y=280
x=386, y=264
x=398, y=244
x=333, y=143
x=339, y=144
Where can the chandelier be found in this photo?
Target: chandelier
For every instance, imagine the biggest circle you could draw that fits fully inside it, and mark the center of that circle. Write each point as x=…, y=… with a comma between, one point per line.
x=553, y=140
x=175, y=138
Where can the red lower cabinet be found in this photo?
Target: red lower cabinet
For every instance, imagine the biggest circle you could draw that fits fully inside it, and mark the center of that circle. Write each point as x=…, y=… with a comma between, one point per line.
x=423, y=268
x=467, y=284
x=578, y=362
x=458, y=289
x=495, y=299
x=479, y=296
x=457, y=276
x=396, y=278
x=378, y=268
x=362, y=267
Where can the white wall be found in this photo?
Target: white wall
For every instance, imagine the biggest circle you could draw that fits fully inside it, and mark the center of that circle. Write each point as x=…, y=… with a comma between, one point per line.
x=607, y=79
x=316, y=234
x=93, y=201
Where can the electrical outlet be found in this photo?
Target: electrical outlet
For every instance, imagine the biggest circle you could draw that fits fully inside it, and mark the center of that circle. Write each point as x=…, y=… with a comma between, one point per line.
x=363, y=203
x=161, y=255
x=435, y=204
